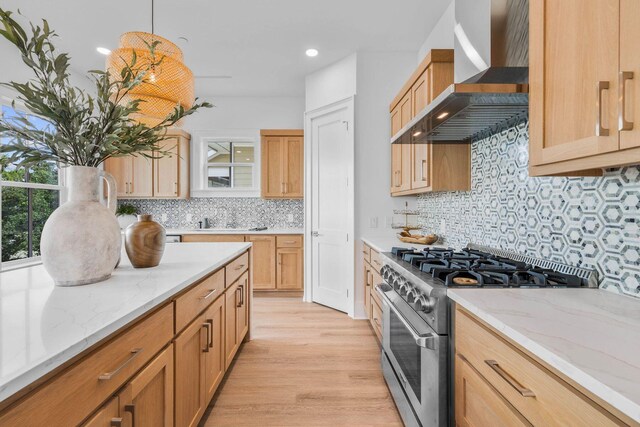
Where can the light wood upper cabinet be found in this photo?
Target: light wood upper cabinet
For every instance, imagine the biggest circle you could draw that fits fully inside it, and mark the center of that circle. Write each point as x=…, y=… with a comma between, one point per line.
x=264, y=261
x=167, y=177
x=148, y=398
x=415, y=168
x=583, y=88
x=282, y=164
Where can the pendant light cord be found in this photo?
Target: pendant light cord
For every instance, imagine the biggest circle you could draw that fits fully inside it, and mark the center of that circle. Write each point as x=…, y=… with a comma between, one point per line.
x=152, y=16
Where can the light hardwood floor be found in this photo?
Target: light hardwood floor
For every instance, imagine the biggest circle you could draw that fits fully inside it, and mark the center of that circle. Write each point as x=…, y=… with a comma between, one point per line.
x=307, y=365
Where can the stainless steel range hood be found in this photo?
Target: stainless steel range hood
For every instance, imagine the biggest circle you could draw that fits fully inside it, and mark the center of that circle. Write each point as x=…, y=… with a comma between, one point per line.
x=491, y=73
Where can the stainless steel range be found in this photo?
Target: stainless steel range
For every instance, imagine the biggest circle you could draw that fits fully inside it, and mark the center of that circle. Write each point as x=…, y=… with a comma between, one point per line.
x=417, y=341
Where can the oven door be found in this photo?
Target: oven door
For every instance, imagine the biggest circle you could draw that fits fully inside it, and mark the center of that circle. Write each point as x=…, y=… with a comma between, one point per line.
x=418, y=357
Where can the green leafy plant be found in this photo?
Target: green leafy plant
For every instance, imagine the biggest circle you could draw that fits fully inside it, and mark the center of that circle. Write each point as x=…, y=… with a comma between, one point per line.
x=85, y=129
x=126, y=209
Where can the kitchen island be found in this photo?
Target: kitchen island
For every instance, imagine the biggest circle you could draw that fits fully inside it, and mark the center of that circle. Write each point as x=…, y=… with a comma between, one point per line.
x=67, y=351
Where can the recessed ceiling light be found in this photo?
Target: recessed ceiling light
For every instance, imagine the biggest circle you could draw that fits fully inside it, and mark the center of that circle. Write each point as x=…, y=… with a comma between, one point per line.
x=312, y=52
x=443, y=115
x=103, y=50
x=417, y=133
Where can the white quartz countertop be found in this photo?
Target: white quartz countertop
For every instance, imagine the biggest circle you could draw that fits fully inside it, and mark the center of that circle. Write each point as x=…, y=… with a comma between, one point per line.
x=182, y=231
x=590, y=335
x=43, y=326
x=385, y=243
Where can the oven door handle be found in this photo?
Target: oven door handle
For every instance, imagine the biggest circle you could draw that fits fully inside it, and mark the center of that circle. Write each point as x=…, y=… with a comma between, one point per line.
x=422, y=340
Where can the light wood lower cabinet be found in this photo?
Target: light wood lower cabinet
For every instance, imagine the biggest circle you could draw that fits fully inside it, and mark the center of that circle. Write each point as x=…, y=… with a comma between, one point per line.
x=372, y=304
x=277, y=259
x=148, y=398
x=146, y=375
x=499, y=383
x=190, y=348
x=264, y=261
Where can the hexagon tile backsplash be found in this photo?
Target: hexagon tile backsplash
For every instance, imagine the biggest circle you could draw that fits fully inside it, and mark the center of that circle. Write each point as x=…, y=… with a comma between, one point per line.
x=224, y=212
x=587, y=222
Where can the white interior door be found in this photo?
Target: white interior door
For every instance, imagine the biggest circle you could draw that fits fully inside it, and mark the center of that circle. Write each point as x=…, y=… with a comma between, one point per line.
x=331, y=150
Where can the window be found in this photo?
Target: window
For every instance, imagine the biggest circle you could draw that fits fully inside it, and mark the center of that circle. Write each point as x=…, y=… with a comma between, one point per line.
x=29, y=196
x=228, y=166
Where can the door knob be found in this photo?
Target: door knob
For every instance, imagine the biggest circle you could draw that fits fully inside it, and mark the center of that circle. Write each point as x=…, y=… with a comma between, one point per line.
x=315, y=234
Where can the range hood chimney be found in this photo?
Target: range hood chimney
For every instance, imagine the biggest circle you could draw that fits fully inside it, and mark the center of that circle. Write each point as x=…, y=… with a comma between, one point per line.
x=491, y=75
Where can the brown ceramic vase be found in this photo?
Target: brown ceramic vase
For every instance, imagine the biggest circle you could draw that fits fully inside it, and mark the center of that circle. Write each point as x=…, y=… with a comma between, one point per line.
x=144, y=242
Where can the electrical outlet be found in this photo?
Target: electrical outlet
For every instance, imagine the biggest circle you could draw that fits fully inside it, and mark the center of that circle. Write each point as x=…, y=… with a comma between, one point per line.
x=373, y=222
x=189, y=217
x=290, y=218
x=164, y=217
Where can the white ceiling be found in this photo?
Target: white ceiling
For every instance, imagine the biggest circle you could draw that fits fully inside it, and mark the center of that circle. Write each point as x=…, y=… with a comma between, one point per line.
x=260, y=43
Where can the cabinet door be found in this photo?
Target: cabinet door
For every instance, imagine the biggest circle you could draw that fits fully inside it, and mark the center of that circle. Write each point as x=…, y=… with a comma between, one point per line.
x=396, y=167
x=421, y=97
x=264, y=261
x=293, y=166
x=121, y=168
x=141, y=184
x=272, y=167
x=289, y=268
x=107, y=416
x=420, y=94
x=406, y=114
x=574, y=78
x=231, y=301
x=190, y=348
x=629, y=108
x=214, y=357
x=166, y=172
x=242, y=308
x=478, y=404
x=148, y=398
x=367, y=289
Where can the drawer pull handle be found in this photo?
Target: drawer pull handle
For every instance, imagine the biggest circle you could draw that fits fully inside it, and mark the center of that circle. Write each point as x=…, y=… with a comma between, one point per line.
x=211, y=292
x=290, y=242
x=524, y=392
x=116, y=422
x=376, y=262
x=601, y=87
x=623, y=124
x=210, y=322
x=240, y=267
x=375, y=319
x=108, y=375
x=208, y=326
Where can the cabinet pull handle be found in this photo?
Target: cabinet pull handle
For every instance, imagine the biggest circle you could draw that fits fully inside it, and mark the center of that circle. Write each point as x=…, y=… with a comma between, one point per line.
x=211, y=292
x=108, y=375
x=377, y=322
x=207, y=326
x=132, y=410
x=601, y=87
x=175, y=188
x=286, y=187
x=116, y=422
x=623, y=124
x=240, y=267
x=239, y=304
x=424, y=163
x=210, y=337
x=376, y=262
x=524, y=392
x=282, y=188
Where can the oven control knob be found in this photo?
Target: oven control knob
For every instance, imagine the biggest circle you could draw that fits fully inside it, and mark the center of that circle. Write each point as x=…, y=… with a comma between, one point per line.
x=412, y=295
x=424, y=304
x=398, y=283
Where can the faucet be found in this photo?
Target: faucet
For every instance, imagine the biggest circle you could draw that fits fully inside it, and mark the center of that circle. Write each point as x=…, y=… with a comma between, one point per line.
x=207, y=223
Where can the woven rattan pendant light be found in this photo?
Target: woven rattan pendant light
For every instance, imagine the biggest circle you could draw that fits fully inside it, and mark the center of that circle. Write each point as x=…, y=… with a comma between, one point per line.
x=168, y=84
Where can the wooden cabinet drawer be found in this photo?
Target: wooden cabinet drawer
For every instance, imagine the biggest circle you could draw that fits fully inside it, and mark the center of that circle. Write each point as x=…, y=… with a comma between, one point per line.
x=193, y=302
x=376, y=318
x=539, y=395
x=236, y=267
x=478, y=404
x=289, y=241
x=376, y=261
x=376, y=279
x=366, y=252
x=83, y=387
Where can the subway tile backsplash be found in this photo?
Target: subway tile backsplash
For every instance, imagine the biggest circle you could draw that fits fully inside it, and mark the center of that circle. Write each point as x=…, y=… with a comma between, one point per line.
x=589, y=222
x=227, y=212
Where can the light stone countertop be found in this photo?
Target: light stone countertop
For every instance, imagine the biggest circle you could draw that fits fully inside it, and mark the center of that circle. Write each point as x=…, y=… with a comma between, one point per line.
x=590, y=335
x=43, y=326
x=182, y=231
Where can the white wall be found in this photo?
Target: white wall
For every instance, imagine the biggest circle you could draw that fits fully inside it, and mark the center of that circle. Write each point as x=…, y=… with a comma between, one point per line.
x=331, y=84
x=441, y=37
x=380, y=76
x=248, y=113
